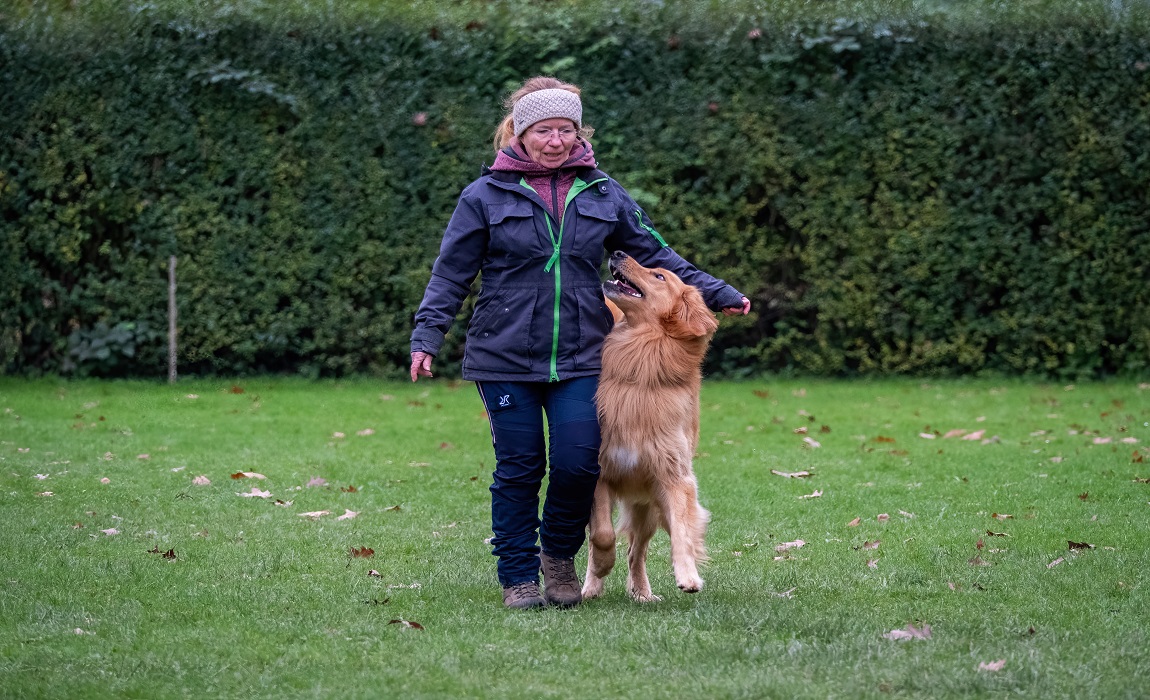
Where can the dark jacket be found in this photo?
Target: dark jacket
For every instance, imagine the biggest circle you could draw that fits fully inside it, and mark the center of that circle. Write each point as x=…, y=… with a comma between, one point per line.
x=540, y=315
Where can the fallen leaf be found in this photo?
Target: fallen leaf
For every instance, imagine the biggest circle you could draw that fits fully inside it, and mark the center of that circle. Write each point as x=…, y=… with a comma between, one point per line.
x=105, y=480
x=347, y=514
x=996, y=534
x=201, y=480
x=1079, y=545
x=817, y=493
x=316, y=481
x=905, y=514
x=854, y=523
x=978, y=545
x=406, y=623
x=394, y=507
x=883, y=438
x=348, y=489
x=1130, y=440
x=1056, y=460
x=911, y=632
x=255, y=493
x=41, y=477
x=110, y=531
x=871, y=545
x=957, y=432
x=143, y=456
x=791, y=475
x=785, y=594
x=978, y=561
x=338, y=435
x=375, y=573
x=1001, y=516
x=976, y=435
x=1102, y=440
x=802, y=430
x=882, y=517
x=315, y=514
x=811, y=442
x=992, y=666
x=927, y=436
x=282, y=503
x=363, y=552
x=365, y=432
x=237, y=389
x=1055, y=563
x=45, y=493
x=789, y=545
x=78, y=526
x=872, y=563
x=248, y=475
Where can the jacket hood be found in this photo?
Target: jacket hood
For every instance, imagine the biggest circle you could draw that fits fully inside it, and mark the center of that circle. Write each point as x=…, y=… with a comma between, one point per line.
x=514, y=159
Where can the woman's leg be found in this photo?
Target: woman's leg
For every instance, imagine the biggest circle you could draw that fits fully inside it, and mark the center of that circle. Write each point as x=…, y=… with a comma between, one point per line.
x=516, y=415
x=573, y=428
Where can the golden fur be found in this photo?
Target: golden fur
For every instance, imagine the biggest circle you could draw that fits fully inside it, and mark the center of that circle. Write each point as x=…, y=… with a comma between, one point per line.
x=648, y=403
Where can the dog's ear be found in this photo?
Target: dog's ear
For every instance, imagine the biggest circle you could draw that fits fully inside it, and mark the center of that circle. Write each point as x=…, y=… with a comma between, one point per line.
x=690, y=317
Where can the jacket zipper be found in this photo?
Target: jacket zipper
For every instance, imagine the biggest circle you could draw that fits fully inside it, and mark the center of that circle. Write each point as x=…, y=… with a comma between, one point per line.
x=577, y=187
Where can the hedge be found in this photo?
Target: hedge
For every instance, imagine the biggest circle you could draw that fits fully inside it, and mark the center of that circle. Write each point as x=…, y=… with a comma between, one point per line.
x=896, y=191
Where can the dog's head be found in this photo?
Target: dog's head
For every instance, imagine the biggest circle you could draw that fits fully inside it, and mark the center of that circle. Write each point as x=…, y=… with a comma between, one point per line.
x=657, y=296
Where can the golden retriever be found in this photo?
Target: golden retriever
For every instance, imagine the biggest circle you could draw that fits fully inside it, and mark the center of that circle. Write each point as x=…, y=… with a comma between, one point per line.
x=648, y=404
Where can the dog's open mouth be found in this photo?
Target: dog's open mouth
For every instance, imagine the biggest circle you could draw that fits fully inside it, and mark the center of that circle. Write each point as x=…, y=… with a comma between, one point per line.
x=622, y=285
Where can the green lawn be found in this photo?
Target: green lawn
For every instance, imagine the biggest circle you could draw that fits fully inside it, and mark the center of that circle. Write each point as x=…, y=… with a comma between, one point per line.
x=260, y=601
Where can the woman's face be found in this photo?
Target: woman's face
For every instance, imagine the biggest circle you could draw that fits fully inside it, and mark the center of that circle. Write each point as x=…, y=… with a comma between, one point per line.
x=549, y=142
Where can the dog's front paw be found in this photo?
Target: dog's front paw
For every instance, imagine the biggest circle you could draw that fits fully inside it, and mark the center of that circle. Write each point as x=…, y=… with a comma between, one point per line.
x=645, y=597
x=690, y=585
x=593, y=588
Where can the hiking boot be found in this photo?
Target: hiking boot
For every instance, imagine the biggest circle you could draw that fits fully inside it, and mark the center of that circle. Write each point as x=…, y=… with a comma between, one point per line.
x=560, y=582
x=523, y=595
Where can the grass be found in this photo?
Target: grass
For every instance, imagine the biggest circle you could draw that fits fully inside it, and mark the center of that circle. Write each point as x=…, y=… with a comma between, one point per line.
x=261, y=602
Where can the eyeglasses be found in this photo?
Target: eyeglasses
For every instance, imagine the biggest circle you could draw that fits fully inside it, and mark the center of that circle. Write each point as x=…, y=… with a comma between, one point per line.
x=542, y=132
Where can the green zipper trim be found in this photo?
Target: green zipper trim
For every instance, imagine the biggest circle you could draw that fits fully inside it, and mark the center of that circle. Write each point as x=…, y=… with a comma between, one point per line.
x=653, y=232
x=553, y=262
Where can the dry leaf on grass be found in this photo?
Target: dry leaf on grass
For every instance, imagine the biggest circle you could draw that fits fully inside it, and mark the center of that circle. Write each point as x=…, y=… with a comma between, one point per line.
x=791, y=475
x=255, y=493
x=871, y=545
x=854, y=523
x=110, y=531
x=976, y=435
x=872, y=563
x=910, y=632
x=316, y=481
x=1055, y=563
x=407, y=623
x=363, y=552
x=816, y=494
x=315, y=514
x=248, y=475
x=789, y=545
x=201, y=480
x=957, y=432
x=348, y=514
x=1079, y=545
x=992, y=665
x=375, y=574
x=882, y=517
x=811, y=442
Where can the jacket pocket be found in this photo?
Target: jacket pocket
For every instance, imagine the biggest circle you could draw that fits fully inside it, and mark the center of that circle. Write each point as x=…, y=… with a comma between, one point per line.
x=597, y=220
x=512, y=228
x=499, y=337
x=595, y=323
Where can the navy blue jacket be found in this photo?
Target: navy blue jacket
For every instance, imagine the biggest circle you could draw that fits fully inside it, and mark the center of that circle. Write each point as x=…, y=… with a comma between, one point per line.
x=540, y=315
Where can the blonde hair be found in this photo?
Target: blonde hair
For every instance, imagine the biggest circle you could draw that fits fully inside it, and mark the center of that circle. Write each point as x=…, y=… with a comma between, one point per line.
x=505, y=132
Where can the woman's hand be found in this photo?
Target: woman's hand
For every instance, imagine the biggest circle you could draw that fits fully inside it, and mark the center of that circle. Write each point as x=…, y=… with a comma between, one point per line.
x=420, y=365
x=738, y=310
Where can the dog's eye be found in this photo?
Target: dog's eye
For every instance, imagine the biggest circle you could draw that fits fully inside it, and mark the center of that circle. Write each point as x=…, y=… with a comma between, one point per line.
x=658, y=277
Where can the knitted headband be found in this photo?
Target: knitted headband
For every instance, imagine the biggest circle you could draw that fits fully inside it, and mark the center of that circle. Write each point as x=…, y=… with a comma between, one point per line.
x=547, y=104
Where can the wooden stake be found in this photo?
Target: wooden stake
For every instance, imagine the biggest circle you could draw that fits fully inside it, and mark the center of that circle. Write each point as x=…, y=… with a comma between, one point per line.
x=172, y=320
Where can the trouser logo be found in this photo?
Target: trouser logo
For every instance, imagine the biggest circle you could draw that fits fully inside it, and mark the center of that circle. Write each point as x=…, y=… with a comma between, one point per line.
x=505, y=400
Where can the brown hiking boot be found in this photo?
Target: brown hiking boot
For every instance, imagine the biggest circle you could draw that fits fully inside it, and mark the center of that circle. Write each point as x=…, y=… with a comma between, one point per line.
x=560, y=582
x=523, y=595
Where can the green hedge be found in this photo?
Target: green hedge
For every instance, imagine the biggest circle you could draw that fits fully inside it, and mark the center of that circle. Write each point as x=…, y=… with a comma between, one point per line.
x=897, y=192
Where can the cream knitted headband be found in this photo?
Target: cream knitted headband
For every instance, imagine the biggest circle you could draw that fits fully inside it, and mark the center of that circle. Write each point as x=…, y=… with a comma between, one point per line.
x=547, y=104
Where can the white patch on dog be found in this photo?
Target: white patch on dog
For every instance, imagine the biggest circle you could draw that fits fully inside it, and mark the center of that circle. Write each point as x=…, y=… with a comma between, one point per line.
x=624, y=458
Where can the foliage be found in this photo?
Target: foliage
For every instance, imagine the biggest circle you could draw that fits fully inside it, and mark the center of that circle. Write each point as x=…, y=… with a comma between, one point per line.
x=106, y=351
x=899, y=187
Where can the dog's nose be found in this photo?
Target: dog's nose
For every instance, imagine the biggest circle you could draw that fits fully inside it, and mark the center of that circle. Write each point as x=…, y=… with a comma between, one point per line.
x=618, y=256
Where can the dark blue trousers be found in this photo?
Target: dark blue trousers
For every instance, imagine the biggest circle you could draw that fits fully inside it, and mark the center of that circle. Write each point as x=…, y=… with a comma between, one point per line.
x=516, y=411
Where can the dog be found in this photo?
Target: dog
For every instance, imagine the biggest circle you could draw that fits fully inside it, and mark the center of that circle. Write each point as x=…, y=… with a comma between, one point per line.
x=648, y=405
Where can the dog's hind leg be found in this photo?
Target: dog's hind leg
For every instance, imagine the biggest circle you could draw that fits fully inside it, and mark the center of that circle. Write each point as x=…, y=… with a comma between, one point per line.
x=686, y=523
x=642, y=523
x=601, y=552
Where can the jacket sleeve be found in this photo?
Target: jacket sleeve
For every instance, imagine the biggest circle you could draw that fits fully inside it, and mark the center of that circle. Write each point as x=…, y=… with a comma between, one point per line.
x=637, y=237
x=460, y=256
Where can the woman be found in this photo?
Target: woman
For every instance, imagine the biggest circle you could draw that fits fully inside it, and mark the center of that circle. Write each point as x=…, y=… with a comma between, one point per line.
x=536, y=224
